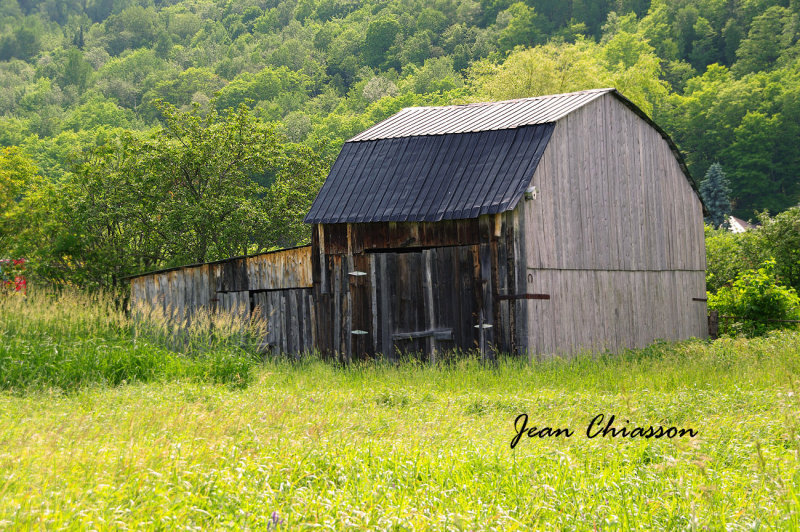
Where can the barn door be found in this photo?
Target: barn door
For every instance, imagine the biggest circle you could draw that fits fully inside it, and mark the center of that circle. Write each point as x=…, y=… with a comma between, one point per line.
x=427, y=301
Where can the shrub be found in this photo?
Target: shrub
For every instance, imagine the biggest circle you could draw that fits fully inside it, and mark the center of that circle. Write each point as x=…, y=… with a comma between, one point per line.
x=12, y=275
x=779, y=237
x=729, y=254
x=755, y=302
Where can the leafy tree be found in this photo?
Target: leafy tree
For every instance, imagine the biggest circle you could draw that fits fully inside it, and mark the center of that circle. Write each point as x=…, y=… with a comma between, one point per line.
x=436, y=75
x=546, y=69
x=753, y=177
x=522, y=27
x=770, y=34
x=704, y=46
x=23, y=43
x=76, y=70
x=625, y=62
x=381, y=34
x=592, y=13
x=133, y=27
x=179, y=91
x=342, y=58
x=728, y=254
x=417, y=48
x=181, y=195
x=289, y=198
x=26, y=208
x=17, y=175
x=267, y=84
x=715, y=192
x=99, y=112
x=780, y=238
x=684, y=28
x=656, y=28
x=128, y=77
x=431, y=20
x=326, y=69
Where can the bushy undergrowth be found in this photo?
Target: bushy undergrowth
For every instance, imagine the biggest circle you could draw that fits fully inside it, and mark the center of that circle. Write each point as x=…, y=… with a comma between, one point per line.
x=756, y=303
x=71, y=340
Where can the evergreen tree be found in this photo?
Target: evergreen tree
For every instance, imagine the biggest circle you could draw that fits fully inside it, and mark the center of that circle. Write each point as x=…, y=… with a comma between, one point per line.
x=715, y=192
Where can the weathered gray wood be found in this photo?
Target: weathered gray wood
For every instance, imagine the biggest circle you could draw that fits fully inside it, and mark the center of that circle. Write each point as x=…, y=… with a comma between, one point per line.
x=432, y=334
x=429, y=309
x=615, y=234
x=385, y=313
x=374, y=303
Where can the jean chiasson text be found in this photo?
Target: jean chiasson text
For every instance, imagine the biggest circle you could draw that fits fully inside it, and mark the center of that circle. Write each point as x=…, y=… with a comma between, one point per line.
x=600, y=426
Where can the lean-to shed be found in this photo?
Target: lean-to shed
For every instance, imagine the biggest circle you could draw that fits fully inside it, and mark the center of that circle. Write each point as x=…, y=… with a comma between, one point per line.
x=551, y=224
x=276, y=284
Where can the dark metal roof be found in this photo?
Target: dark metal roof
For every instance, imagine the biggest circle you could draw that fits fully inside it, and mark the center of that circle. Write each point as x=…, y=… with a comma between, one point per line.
x=430, y=177
x=486, y=116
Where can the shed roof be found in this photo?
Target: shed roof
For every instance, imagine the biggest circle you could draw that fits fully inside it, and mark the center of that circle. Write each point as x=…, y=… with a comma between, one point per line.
x=426, y=164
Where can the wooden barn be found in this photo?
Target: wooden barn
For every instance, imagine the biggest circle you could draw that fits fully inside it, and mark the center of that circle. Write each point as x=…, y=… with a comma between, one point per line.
x=537, y=226
x=542, y=226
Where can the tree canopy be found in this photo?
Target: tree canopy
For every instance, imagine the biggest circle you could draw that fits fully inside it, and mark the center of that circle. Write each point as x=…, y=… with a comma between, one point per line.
x=82, y=84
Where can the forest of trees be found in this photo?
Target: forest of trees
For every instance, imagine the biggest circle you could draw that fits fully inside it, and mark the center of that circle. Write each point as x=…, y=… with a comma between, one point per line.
x=136, y=134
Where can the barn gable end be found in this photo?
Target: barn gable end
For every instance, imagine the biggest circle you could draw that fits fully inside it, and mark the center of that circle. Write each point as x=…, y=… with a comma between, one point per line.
x=615, y=234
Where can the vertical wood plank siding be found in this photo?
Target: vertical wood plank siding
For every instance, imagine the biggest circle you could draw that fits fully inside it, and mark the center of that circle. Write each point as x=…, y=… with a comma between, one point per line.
x=421, y=279
x=278, y=285
x=615, y=235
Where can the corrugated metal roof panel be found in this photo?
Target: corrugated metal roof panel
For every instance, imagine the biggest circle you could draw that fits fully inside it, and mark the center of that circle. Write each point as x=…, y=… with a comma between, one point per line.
x=510, y=114
x=430, y=177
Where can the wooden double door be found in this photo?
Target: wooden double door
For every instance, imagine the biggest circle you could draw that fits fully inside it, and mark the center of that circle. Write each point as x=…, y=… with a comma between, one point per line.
x=410, y=302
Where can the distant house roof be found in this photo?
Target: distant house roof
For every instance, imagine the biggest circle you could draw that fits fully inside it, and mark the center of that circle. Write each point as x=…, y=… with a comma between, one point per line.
x=426, y=164
x=737, y=225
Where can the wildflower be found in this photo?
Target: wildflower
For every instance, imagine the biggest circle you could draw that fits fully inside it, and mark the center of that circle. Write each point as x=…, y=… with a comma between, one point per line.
x=274, y=521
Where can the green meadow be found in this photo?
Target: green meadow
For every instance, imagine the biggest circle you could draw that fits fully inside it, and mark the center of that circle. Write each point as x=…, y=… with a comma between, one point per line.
x=105, y=427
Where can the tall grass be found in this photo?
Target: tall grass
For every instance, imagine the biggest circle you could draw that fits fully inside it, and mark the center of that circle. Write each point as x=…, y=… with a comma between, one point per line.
x=375, y=446
x=201, y=331
x=311, y=445
x=73, y=339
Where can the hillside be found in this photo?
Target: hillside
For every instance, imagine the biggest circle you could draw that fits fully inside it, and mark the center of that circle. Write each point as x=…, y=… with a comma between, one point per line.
x=722, y=77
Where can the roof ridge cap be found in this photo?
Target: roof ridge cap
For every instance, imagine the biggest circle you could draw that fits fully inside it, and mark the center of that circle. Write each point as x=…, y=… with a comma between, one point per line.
x=513, y=100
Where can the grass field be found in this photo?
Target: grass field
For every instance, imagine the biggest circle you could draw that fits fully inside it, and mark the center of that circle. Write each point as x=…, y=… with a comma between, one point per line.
x=308, y=445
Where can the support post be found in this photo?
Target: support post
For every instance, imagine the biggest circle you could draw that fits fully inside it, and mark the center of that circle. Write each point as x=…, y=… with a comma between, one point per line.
x=713, y=324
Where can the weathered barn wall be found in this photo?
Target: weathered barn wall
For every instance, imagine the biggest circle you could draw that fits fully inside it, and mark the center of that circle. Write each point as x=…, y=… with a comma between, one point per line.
x=423, y=289
x=277, y=283
x=614, y=235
